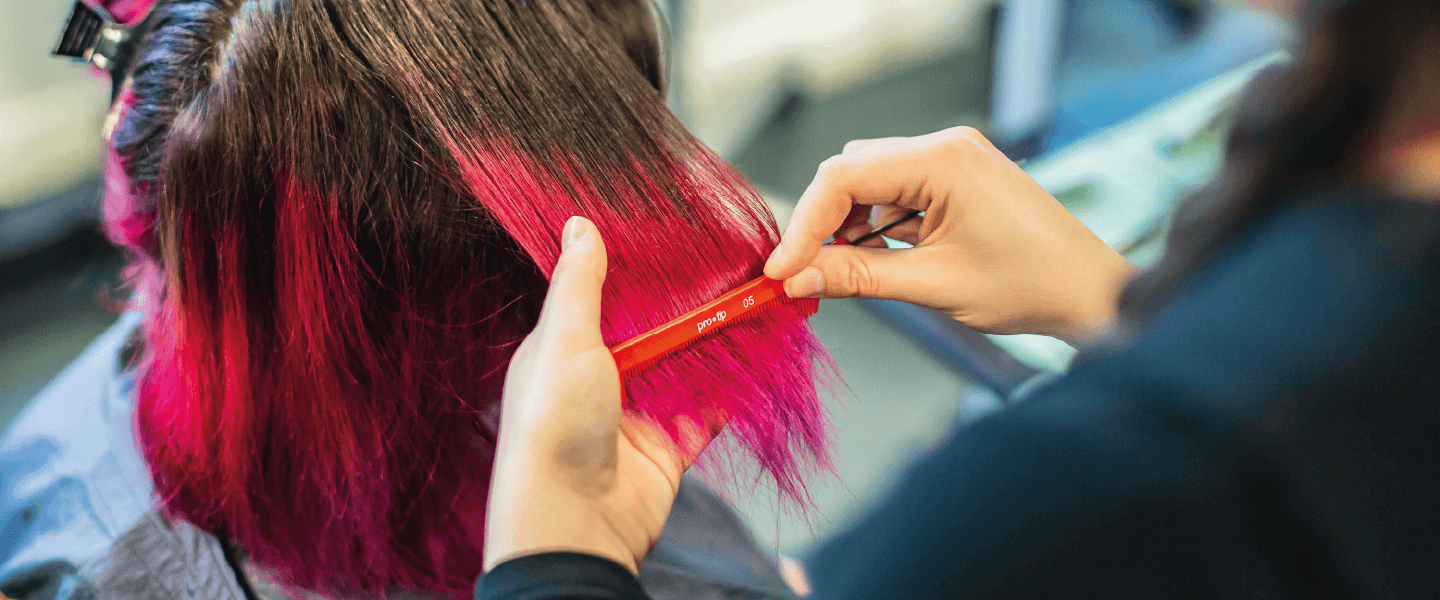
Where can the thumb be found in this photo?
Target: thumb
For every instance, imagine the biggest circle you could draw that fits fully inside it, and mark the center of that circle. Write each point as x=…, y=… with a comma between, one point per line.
x=572, y=304
x=863, y=272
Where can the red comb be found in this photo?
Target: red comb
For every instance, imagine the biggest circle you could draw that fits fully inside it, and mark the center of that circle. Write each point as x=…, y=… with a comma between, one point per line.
x=758, y=294
x=736, y=305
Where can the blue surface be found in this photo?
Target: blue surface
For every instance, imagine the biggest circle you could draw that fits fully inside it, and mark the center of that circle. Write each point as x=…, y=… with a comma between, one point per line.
x=1121, y=58
x=71, y=476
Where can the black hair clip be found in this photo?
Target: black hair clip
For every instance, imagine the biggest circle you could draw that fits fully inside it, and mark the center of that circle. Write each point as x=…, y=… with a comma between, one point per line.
x=92, y=36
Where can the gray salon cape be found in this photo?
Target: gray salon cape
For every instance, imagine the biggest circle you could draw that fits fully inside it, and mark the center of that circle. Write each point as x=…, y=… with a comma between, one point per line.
x=79, y=515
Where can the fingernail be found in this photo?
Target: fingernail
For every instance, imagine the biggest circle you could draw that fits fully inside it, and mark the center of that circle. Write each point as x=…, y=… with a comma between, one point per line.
x=773, y=254
x=770, y=268
x=575, y=231
x=808, y=284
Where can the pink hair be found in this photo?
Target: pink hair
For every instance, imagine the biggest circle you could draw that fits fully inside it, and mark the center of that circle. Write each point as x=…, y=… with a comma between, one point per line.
x=125, y=11
x=664, y=263
x=326, y=345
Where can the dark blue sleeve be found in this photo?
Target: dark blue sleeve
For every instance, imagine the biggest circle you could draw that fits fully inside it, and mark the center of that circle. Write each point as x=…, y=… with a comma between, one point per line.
x=1270, y=434
x=1070, y=494
x=559, y=576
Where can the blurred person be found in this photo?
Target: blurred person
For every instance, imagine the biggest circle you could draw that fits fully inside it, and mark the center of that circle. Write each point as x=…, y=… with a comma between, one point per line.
x=342, y=217
x=1254, y=416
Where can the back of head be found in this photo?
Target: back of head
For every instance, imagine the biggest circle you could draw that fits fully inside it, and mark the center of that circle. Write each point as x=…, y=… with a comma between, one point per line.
x=343, y=216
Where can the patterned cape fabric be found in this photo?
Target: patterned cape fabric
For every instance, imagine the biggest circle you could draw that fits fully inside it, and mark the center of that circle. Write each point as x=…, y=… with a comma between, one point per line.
x=79, y=517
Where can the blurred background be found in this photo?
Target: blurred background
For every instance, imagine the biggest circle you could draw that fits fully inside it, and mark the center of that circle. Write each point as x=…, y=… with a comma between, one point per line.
x=1118, y=107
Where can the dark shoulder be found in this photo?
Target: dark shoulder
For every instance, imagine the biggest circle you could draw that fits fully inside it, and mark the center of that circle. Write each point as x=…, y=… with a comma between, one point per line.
x=1333, y=291
x=1078, y=490
x=1261, y=438
x=1293, y=382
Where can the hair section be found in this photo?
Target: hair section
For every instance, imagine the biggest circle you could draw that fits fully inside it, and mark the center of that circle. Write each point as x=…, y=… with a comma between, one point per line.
x=343, y=216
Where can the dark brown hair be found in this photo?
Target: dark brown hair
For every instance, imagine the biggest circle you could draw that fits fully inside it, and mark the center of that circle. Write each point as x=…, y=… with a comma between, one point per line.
x=344, y=215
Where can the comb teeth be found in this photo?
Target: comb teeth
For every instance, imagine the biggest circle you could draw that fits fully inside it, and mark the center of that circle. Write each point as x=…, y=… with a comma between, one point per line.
x=807, y=308
x=742, y=303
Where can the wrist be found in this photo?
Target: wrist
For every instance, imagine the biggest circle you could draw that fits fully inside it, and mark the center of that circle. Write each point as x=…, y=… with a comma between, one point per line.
x=540, y=515
x=1096, y=310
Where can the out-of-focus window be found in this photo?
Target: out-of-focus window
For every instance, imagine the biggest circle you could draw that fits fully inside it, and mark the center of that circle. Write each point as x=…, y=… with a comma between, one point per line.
x=54, y=266
x=736, y=60
x=50, y=118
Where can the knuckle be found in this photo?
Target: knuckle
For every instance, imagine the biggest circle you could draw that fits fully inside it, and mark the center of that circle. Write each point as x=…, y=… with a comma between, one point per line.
x=964, y=131
x=860, y=278
x=957, y=147
x=525, y=352
x=831, y=168
x=561, y=270
x=569, y=275
x=572, y=336
x=958, y=142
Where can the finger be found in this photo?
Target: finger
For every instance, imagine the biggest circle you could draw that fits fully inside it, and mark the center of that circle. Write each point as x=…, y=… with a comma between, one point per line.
x=572, y=304
x=855, y=145
x=910, y=275
x=650, y=440
x=793, y=573
x=858, y=223
x=884, y=174
x=966, y=133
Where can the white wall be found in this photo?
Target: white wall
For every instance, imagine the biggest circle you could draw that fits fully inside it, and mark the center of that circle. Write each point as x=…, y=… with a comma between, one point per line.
x=736, y=58
x=50, y=109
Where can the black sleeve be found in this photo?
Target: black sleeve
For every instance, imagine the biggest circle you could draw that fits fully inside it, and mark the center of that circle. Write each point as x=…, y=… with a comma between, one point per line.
x=1269, y=434
x=1069, y=494
x=559, y=576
